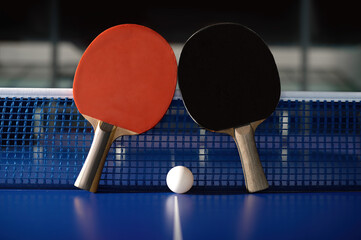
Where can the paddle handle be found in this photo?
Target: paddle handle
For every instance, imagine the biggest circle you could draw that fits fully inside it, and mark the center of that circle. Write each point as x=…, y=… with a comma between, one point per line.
x=89, y=176
x=252, y=168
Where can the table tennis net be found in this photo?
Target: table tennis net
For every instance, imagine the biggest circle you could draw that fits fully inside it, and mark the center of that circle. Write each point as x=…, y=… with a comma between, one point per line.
x=311, y=142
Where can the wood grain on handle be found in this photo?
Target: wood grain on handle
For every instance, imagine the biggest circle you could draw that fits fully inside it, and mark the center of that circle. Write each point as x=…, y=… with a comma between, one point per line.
x=91, y=171
x=252, y=167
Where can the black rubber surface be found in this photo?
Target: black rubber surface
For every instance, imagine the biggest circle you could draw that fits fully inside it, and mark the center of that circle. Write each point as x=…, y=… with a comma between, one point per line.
x=228, y=77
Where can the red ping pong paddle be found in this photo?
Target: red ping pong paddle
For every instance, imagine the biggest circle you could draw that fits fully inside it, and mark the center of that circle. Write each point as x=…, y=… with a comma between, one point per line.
x=229, y=83
x=123, y=85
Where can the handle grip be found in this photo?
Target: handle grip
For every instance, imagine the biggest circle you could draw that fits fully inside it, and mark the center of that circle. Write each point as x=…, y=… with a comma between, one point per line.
x=252, y=168
x=89, y=176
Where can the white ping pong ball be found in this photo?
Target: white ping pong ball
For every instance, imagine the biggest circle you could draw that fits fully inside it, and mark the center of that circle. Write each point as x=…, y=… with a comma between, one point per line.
x=179, y=179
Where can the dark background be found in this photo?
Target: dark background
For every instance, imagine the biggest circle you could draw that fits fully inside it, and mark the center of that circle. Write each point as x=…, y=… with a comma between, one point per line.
x=320, y=39
x=332, y=22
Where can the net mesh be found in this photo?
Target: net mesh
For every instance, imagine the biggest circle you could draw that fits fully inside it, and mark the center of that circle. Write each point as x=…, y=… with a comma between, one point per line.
x=304, y=145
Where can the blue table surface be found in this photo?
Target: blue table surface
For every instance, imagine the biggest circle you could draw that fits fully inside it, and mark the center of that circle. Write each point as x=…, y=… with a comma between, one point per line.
x=73, y=214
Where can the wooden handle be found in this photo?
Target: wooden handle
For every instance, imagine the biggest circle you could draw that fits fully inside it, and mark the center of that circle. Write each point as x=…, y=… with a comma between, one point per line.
x=252, y=167
x=89, y=176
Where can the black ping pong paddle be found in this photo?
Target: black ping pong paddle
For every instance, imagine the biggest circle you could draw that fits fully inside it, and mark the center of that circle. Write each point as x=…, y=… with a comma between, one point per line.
x=229, y=83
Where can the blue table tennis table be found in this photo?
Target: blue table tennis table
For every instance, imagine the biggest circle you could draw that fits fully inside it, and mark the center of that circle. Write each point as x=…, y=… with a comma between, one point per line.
x=75, y=214
x=310, y=149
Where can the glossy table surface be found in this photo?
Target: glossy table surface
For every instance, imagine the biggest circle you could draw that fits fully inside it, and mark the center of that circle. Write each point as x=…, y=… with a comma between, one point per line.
x=74, y=214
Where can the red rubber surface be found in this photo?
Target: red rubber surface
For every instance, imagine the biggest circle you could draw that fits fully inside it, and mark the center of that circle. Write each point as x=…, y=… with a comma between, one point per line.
x=126, y=77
